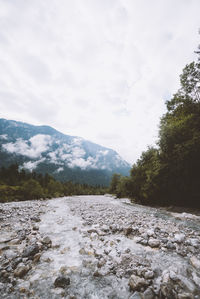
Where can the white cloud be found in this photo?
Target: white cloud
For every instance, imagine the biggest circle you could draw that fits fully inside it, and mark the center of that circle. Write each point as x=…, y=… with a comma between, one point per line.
x=4, y=136
x=100, y=69
x=82, y=163
x=32, y=148
x=59, y=169
x=31, y=165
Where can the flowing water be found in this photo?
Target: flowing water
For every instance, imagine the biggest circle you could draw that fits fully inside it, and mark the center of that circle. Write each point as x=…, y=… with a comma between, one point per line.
x=98, y=242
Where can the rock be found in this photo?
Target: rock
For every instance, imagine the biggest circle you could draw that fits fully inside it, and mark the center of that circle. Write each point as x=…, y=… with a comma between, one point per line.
x=35, y=227
x=37, y=257
x=149, y=274
x=136, y=295
x=179, y=238
x=173, y=276
x=150, y=232
x=196, y=278
x=170, y=245
x=144, y=242
x=105, y=228
x=194, y=242
x=15, y=262
x=195, y=262
x=148, y=294
x=10, y=254
x=62, y=282
x=46, y=240
x=30, y=250
x=185, y=296
x=154, y=242
x=82, y=251
x=136, y=283
x=21, y=270
x=138, y=239
x=97, y=274
x=101, y=263
x=35, y=218
x=127, y=230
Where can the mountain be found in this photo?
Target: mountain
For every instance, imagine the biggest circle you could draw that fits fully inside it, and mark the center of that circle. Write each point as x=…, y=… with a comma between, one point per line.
x=45, y=150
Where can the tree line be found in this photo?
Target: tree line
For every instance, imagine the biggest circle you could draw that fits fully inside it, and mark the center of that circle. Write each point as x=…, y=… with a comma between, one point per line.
x=17, y=184
x=169, y=174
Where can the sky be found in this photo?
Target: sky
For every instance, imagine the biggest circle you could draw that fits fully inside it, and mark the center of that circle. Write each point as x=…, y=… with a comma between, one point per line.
x=98, y=69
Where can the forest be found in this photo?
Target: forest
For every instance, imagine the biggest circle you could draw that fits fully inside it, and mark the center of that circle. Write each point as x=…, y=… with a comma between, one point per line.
x=17, y=184
x=169, y=173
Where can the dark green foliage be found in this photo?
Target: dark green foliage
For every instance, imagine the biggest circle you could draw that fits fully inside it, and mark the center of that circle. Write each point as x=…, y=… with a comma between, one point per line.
x=20, y=185
x=170, y=174
x=114, y=183
x=31, y=189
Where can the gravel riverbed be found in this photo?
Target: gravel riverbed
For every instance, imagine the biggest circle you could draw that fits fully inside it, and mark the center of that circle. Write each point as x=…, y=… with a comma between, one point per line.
x=97, y=247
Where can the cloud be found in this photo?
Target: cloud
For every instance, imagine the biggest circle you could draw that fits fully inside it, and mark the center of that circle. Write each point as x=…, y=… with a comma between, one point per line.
x=82, y=163
x=59, y=169
x=31, y=165
x=4, y=136
x=33, y=148
x=95, y=68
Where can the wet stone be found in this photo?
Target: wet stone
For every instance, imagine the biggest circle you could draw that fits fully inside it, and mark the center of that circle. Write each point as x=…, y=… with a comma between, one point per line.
x=62, y=282
x=136, y=283
x=46, y=240
x=30, y=250
x=21, y=270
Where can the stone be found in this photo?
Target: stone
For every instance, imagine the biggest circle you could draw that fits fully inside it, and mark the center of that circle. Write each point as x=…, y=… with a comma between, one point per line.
x=35, y=227
x=127, y=230
x=136, y=295
x=179, y=238
x=35, y=218
x=195, y=262
x=97, y=274
x=37, y=257
x=173, y=276
x=194, y=242
x=150, y=232
x=62, y=282
x=185, y=296
x=136, y=283
x=138, y=239
x=170, y=245
x=148, y=294
x=21, y=270
x=15, y=262
x=144, y=242
x=46, y=240
x=149, y=274
x=154, y=242
x=30, y=250
x=196, y=278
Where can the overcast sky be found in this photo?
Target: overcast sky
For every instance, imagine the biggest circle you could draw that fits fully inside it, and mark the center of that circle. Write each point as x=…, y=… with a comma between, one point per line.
x=98, y=69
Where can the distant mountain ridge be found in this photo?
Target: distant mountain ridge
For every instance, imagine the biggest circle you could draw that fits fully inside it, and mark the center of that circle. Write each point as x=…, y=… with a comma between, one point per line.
x=46, y=150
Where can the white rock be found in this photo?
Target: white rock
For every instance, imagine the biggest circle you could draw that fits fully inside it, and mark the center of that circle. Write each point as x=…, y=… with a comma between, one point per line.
x=195, y=262
x=179, y=238
x=153, y=242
